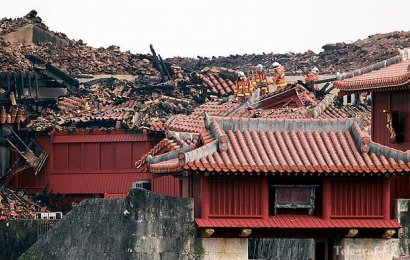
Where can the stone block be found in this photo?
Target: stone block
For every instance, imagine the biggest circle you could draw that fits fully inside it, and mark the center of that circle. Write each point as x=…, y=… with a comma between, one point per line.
x=369, y=249
x=225, y=248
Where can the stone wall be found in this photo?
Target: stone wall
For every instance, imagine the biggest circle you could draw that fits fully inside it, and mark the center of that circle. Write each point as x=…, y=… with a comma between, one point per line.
x=403, y=216
x=16, y=236
x=366, y=248
x=142, y=226
x=225, y=248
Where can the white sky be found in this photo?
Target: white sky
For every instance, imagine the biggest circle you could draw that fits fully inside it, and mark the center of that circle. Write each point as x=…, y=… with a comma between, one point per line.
x=216, y=27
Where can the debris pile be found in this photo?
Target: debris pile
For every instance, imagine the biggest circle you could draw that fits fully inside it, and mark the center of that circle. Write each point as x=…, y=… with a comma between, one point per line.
x=17, y=205
x=75, y=59
x=12, y=58
x=119, y=105
x=78, y=59
x=339, y=57
x=8, y=25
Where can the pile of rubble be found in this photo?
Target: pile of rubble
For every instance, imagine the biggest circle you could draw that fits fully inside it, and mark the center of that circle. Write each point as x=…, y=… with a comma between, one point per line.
x=339, y=57
x=75, y=58
x=119, y=105
x=8, y=25
x=12, y=58
x=17, y=205
x=78, y=59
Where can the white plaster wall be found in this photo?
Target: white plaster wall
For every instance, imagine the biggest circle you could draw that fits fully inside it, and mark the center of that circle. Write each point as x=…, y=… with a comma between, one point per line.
x=225, y=248
x=367, y=249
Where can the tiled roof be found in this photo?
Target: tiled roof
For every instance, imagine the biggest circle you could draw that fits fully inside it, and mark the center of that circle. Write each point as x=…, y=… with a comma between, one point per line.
x=295, y=221
x=311, y=146
x=393, y=73
x=172, y=143
x=292, y=102
x=216, y=83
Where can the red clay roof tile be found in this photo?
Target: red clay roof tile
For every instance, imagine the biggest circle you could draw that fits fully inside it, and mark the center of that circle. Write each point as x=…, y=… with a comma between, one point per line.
x=386, y=75
x=275, y=146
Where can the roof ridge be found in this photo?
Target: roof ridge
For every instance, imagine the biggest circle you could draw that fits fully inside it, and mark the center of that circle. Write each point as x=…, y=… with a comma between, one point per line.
x=154, y=150
x=317, y=110
x=403, y=55
x=388, y=152
x=362, y=137
x=284, y=124
x=200, y=152
x=169, y=155
x=217, y=132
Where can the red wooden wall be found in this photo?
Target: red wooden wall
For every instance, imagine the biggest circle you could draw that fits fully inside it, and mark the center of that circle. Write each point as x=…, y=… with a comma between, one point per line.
x=400, y=187
x=356, y=197
x=89, y=163
x=166, y=185
x=230, y=197
x=398, y=101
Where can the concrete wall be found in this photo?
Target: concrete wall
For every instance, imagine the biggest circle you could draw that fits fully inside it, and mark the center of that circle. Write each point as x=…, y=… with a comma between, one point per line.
x=225, y=248
x=142, y=226
x=369, y=249
x=23, y=35
x=31, y=34
x=40, y=35
x=16, y=236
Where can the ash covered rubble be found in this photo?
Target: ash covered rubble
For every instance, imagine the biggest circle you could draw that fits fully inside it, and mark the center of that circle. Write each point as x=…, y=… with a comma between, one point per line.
x=337, y=57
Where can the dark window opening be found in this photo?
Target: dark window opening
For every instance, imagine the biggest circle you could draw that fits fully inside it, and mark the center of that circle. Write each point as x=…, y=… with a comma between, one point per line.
x=395, y=126
x=143, y=184
x=398, y=125
x=295, y=196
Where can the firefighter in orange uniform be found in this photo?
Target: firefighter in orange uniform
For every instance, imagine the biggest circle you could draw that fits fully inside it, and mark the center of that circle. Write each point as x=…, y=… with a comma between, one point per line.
x=279, y=75
x=312, y=77
x=242, y=89
x=259, y=80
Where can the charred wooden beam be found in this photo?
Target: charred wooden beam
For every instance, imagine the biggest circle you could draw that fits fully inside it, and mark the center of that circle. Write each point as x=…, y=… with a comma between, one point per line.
x=165, y=68
x=35, y=59
x=157, y=64
x=62, y=77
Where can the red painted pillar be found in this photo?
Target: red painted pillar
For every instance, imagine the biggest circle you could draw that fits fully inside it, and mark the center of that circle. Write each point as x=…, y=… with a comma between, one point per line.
x=264, y=197
x=326, y=199
x=386, y=198
x=205, y=197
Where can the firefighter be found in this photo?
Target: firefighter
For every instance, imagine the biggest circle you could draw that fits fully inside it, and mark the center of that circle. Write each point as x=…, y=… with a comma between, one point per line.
x=259, y=80
x=279, y=75
x=242, y=87
x=312, y=76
